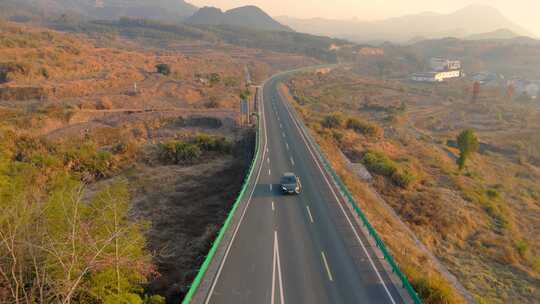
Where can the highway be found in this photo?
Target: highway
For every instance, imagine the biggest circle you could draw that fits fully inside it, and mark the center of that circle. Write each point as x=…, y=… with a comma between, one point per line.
x=295, y=249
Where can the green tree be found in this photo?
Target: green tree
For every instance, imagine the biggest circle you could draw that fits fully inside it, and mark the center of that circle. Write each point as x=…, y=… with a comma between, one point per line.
x=467, y=144
x=163, y=69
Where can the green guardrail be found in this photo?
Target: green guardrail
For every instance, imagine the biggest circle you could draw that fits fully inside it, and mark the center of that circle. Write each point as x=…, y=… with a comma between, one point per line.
x=380, y=244
x=204, y=267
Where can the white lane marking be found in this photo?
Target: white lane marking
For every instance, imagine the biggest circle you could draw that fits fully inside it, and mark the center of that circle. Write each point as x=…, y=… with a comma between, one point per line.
x=269, y=172
x=280, y=126
x=268, y=160
x=340, y=205
x=309, y=213
x=278, y=264
x=287, y=146
x=283, y=134
x=220, y=269
x=270, y=187
x=273, y=207
x=272, y=295
x=292, y=161
x=330, y=277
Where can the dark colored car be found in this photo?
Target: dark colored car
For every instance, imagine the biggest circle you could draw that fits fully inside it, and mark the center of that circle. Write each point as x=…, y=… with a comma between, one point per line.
x=290, y=184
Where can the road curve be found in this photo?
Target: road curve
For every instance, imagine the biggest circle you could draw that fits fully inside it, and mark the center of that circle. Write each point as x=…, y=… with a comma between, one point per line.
x=294, y=249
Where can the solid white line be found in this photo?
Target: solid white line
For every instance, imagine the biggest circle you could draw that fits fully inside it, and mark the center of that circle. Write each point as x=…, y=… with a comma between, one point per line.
x=309, y=213
x=292, y=161
x=273, y=207
x=220, y=269
x=340, y=205
x=281, y=296
x=330, y=277
x=272, y=300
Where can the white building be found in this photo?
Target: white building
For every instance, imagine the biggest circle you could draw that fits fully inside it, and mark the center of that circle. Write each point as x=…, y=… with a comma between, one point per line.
x=439, y=64
x=435, y=76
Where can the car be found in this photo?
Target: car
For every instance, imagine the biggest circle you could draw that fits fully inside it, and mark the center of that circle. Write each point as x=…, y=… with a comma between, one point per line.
x=290, y=184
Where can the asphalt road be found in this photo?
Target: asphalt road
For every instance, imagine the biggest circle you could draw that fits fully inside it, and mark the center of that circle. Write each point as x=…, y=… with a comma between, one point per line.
x=296, y=249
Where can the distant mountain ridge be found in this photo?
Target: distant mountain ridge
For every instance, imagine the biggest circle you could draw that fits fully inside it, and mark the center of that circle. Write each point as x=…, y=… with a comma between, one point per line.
x=497, y=34
x=245, y=16
x=474, y=19
x=165, y=10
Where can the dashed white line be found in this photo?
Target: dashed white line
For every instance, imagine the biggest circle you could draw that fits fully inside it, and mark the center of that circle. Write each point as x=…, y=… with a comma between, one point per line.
x=283, y=134
x=309, y=214
x=268, y=160
x=270, y=187
x=280, y=126
x=273, y=207
x=269, y=172
x=292, y=161
x=287, y=146
x=330, y=277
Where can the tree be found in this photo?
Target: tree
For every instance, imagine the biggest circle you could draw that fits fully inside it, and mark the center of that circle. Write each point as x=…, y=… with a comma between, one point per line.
x=163, y=69
x=510, y=91
x=467, y=144
x=245, y=94
x=476, y=91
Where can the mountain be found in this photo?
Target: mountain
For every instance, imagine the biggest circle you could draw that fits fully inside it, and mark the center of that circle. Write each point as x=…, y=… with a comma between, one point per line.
x=164, y=10
x=470, y=20
x=245, y=16
x=497, y=34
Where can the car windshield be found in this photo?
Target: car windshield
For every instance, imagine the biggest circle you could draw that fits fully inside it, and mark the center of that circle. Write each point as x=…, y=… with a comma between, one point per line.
x=288, y=180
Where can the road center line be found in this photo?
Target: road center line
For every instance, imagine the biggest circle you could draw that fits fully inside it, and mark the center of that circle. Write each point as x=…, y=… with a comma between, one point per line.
x=309, y=213
x=330, y=277
x=278, y=263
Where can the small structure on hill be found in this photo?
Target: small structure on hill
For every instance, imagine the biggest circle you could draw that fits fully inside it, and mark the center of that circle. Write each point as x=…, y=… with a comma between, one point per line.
x=442, y=69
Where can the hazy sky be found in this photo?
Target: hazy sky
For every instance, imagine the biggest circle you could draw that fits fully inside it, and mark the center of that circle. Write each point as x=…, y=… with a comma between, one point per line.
x=523, y=12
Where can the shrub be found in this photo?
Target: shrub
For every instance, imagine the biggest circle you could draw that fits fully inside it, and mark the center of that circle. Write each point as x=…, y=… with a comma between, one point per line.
x=213, y=144
x=403, y=178
x=163, y=69
x=332, y=121
x=379, y=163
x=179, y=152
x=364, y=128
x=214, y=78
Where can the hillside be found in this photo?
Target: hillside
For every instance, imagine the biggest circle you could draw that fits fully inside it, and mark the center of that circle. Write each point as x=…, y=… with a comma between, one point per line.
x=279, y=41
x=482, y=222
x=497, y=34
x=470, y=20
x=247, y=16
x=169, y=10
